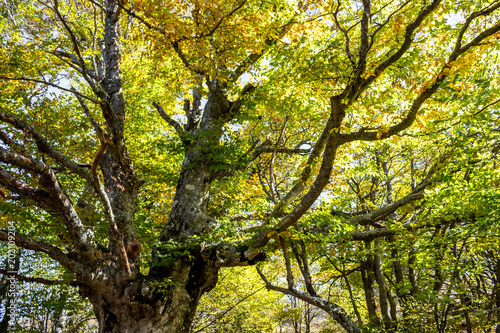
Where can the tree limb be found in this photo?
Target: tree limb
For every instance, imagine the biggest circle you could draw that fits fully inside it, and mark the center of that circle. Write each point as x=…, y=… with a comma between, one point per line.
x=335, y=311
x=52, y=251
x=54, y=200
x=172, y=122
x=37, y=280
x=49, y=84
x=45, y=147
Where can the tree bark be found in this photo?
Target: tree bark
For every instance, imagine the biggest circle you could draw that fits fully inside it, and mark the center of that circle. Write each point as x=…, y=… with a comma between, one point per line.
x=368, y=282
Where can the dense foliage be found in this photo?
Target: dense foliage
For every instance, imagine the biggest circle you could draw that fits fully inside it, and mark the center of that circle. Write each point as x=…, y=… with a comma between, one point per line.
x=346, y=151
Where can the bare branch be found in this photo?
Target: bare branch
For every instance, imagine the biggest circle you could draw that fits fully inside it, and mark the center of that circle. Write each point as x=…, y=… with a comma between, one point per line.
x=74, y=61
x=172, y=122
x=50, y=84
x=52, y=251
x=37, y=280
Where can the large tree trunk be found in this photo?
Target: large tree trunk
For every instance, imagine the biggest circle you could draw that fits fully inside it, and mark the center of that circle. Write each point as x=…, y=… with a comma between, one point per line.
x=182, y=270
x=154, y=303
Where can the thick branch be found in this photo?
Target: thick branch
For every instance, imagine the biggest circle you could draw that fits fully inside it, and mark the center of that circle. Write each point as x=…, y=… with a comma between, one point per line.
x=301, y=258
x=330, y=137
x=45, y=147
x=52, y=251
x=54, y=201
x=108, y=210
x=364, y=46
x=289, y=274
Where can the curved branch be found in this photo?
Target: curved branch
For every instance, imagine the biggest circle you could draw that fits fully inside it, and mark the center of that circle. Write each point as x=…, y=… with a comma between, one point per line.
x=52, y=251
x=21, y=78
x=426, y=94
x=410, y=29
x=335, y=311
x=54, y=201
x=45, y=147
x=172, y=122
x=37, y=280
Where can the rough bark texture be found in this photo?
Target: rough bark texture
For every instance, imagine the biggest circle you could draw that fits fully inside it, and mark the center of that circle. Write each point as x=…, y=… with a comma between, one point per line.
x=183, y=270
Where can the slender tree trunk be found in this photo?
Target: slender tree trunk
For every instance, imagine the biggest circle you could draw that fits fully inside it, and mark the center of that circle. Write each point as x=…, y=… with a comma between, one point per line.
x=497, y=295
x=411, y=270
x=59, y=318
x=384, y=302
x=353, y=301
x=368, y=282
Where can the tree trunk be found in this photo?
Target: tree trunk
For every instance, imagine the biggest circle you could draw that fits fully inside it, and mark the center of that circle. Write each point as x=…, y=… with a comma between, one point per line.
x=154, y=304
x=497, y=295
x=368, y=278
x=60, y=318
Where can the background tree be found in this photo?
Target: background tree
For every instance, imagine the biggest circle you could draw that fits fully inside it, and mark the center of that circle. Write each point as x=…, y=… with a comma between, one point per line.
x=272, y=94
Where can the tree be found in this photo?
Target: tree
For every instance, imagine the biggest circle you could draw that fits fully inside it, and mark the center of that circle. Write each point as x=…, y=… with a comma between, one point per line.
x=273, y=92
x=425, y=266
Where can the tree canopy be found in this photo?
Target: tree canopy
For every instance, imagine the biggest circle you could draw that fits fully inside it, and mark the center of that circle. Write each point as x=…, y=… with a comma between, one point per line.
x=147, y=145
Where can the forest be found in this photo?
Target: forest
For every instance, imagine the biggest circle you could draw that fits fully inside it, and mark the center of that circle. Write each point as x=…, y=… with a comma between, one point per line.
x=291, y=166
